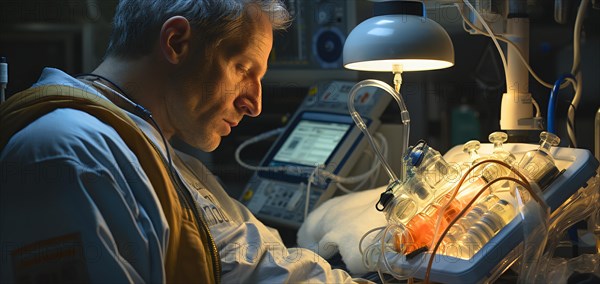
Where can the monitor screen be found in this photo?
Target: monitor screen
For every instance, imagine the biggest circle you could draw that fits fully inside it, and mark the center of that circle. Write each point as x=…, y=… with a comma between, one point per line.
x=311, y=143
x=312, y=139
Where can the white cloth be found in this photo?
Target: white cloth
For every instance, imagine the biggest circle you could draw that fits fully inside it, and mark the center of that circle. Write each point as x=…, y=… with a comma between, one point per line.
x=110, y=204
x=338, y=225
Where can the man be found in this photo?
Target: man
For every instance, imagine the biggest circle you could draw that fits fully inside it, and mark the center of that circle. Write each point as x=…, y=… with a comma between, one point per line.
x=91, y=191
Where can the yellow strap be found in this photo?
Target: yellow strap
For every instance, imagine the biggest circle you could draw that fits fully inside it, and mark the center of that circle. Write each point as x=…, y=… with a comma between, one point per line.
x=25, y=107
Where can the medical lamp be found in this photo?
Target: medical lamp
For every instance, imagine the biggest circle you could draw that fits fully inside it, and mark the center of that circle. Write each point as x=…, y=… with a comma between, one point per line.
x=398, y=38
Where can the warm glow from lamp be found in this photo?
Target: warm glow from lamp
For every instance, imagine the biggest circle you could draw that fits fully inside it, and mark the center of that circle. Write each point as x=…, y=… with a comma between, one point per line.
x=407, y=64
x=399, y=34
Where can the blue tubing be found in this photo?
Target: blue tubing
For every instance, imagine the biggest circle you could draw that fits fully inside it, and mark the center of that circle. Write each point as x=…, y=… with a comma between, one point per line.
x=552, y=101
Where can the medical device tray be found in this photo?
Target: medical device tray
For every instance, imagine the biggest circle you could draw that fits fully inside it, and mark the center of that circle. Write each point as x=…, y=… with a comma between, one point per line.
x=579, y=166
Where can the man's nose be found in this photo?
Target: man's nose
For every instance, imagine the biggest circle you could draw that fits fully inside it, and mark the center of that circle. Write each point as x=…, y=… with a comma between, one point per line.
x=250, y=102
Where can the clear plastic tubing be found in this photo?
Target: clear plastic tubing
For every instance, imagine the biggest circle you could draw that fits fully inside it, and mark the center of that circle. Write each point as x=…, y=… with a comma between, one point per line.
x=363, y=127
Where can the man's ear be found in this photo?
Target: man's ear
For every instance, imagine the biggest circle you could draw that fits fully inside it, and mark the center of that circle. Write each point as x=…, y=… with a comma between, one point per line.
x=175, y=38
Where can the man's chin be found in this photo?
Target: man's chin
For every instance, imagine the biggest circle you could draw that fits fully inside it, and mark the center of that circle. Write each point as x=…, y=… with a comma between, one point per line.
x=206, y=145
x=209, y=149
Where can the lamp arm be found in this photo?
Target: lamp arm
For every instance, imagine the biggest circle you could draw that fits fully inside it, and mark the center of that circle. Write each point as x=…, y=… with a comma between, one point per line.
x=363, y=127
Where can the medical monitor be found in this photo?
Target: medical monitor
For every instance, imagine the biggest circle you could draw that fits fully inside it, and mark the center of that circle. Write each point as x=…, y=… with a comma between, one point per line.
x=311, y=140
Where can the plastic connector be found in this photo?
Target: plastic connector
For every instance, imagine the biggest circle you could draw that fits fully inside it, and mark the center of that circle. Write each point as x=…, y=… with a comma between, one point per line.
x=358, y=121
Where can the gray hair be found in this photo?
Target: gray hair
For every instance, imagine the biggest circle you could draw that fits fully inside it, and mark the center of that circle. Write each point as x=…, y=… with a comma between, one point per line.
x=137, y=23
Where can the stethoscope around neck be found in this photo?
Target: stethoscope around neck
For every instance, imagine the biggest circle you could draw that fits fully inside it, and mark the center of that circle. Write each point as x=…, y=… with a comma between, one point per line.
x=139, y=110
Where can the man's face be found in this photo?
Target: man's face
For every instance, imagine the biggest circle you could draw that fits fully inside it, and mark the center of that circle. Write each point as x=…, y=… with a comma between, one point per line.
x=210, y=100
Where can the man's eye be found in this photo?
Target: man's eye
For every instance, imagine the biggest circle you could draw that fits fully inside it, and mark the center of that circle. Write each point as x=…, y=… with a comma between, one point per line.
x=243, y=69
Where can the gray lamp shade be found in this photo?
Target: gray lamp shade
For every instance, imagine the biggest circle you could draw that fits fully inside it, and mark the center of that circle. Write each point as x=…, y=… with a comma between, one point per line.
x=414, y=42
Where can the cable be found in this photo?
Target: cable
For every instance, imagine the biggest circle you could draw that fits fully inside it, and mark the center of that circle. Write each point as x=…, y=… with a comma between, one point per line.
x=575, y=70
x=318, y=171
x=141, y=111
x=507, y=41
x=384, y=148
x=372, y=173
x=363, y=238
x=552, y=101
x=492, y=35
x=311, y=179
x=335, y=178
x=382, y=256
x=256, y=139
x=121, y=92
x=577, y=36
x=537, y=108
x=167, y=149
x=573, y=108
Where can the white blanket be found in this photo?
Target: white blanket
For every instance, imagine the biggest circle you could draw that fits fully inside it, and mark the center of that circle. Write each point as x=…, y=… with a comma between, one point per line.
x=338, y=225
